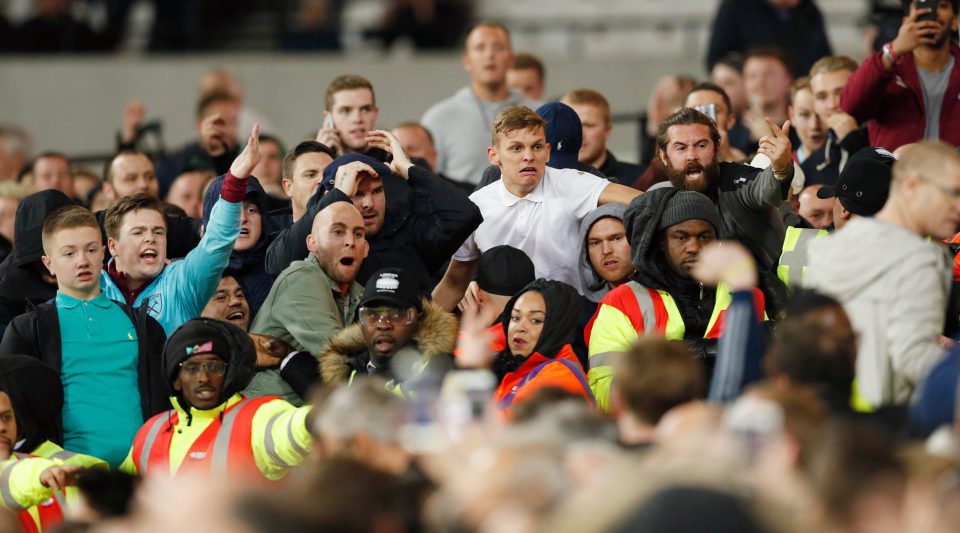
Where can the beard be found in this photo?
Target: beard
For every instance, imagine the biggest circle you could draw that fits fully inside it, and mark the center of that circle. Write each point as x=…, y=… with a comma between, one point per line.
x=710, y=173
x=941, y=37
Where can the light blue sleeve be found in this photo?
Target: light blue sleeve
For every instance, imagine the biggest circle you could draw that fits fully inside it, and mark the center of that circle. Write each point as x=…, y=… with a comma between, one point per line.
x=193, y=280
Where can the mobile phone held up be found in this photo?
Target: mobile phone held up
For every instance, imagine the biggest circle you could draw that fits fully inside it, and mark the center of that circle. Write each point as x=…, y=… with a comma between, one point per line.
x=929, y=4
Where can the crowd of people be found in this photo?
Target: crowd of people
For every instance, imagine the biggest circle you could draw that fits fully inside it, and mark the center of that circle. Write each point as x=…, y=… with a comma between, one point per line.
x=485, y=321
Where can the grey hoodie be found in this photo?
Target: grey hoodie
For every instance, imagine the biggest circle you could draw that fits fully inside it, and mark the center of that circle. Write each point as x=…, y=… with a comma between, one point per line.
x=595, y=287
x=894, y=286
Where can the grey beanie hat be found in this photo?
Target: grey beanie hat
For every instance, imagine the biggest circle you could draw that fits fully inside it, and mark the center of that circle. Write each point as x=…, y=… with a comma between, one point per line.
x=689, y=205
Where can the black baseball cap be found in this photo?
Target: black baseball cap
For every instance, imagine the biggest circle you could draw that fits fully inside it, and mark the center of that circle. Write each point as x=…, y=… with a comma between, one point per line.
x=504, y=270
x=394, y=286
x=864, y=183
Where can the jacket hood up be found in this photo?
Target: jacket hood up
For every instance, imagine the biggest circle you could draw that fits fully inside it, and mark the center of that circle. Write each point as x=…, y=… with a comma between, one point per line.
x=29, y=223
x=229, y=343
x=36, y=395
x=242, y=260
x=642, y=220
x=595, y=287
x=563, y=313
x=436, y=335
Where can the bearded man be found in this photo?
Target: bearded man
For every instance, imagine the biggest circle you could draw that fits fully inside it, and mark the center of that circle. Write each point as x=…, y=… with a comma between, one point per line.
x=746, y=197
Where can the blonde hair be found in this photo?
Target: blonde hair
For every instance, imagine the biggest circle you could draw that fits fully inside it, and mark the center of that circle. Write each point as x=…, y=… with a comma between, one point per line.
x=588, y=97
x=516, y=118
x=828, y=64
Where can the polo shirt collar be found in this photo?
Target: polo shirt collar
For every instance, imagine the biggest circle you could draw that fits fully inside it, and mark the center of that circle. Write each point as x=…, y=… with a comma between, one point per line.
x=69, y=302
x=535, y=196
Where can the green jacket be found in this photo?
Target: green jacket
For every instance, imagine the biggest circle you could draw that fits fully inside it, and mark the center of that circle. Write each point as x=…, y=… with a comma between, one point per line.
x=304, y=308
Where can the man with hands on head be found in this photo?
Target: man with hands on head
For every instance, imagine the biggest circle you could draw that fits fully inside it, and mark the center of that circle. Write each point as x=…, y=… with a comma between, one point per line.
x=908, y=91
x=418, y=237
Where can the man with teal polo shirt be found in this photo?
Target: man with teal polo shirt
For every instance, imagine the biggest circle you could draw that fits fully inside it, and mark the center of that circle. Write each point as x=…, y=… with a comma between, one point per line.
x=108, y=355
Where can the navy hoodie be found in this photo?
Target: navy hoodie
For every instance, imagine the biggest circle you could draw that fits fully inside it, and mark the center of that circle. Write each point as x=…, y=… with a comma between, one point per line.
x=248, y=266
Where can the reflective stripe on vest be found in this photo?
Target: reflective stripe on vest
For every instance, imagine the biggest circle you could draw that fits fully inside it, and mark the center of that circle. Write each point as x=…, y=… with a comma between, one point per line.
x=42, y=516
x=231, y=447
x=8, y=500
x=156, y=424
x=654, y=322
x=793, y=261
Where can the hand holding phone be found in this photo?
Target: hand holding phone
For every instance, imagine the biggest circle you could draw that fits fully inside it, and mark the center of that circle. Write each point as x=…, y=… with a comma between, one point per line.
x=926, y=4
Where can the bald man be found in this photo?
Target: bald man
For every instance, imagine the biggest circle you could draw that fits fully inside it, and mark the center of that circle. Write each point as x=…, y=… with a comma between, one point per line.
x=314, y=298
x=817, y=211
x=892, y=275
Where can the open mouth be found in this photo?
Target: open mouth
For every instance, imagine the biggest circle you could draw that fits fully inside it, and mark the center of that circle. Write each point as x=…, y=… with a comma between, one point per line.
x=517, y=341
x=149, y=255
x=86, y=275
x=244, y=232
x=528, y=171
x=384, y=344
x=205, y=393
x=611, y=264
x=236, y=316
x=347, y=261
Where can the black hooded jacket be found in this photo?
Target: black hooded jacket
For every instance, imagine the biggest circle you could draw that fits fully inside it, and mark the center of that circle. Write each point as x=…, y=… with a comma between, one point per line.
x=426, y=220
x=21, y=273
x=694, y=301
x=240, y=356
x=37, y=334
x=36, y=395
x=248, y=266
x=562, y=303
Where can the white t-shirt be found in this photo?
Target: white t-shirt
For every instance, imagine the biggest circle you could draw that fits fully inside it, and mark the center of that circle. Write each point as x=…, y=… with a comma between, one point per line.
x=545, y=224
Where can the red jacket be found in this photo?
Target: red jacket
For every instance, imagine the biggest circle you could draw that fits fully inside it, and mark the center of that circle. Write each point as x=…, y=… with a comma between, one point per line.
x=892, y=101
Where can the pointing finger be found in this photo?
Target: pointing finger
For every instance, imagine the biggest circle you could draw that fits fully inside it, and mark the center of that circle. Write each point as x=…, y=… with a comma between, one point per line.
x=774, y=128
x=786, y=129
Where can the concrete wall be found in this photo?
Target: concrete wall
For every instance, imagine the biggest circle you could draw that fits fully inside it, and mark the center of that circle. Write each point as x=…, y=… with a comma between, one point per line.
x=75, y=105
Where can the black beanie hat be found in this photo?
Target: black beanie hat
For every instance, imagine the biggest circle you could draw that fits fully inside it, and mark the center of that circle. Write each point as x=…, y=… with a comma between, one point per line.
x=689, y=205
x=223, y=339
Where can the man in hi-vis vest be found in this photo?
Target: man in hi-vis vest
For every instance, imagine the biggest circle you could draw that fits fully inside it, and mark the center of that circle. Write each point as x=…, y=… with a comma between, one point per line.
x=213, y=429
x=668, y=228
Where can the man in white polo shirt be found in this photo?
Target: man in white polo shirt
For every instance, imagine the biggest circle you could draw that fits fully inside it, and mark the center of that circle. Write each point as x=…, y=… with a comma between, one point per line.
x=535, y=208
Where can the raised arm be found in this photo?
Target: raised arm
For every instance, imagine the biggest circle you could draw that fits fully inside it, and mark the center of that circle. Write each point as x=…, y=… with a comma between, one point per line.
x=767, y=189
x=740, y=351
x=443, y=216
x=199, y=273
x=452, y=287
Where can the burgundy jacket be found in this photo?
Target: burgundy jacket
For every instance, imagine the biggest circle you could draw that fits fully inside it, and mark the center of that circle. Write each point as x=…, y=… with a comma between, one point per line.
x=892, y=101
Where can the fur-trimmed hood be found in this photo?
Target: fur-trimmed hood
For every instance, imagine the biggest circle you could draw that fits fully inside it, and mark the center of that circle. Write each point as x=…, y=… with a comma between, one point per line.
x=437, y=335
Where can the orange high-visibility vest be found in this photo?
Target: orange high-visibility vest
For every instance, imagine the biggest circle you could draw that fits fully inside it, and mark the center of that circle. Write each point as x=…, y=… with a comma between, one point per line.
x=223, y=449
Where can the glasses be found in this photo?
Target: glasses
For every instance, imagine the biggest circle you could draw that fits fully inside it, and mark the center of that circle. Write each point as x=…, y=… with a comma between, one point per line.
x=396, y=317
x=952, y=192
x=217, y=368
